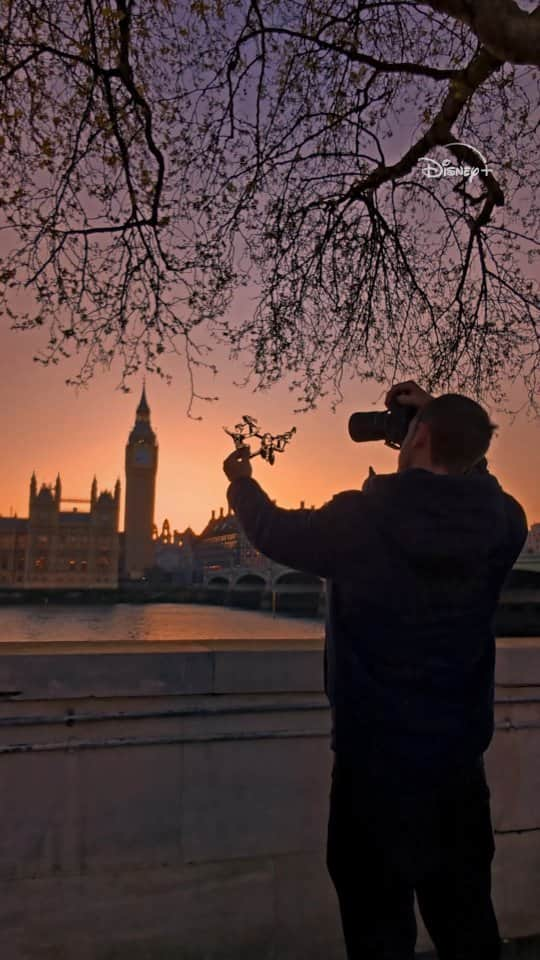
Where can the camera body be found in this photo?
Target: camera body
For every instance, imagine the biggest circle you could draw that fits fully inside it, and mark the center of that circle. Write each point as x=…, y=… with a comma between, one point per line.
x=389, y=425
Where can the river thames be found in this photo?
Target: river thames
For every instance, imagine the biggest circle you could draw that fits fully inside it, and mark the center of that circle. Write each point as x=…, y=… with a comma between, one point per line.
x=153, y=622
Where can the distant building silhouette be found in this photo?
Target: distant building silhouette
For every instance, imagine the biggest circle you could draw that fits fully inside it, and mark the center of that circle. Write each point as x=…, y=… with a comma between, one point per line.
x=141, y=469
x=62, y=549
x=532, y=544
x=174, y=557
x=223, y=544
x=82, y=549
x=13, y=540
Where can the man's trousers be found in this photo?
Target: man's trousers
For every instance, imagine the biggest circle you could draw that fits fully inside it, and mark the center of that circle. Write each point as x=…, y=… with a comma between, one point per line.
x=388, y=843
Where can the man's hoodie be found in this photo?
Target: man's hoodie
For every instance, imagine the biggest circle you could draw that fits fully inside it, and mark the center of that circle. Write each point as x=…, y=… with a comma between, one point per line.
x=415, y=563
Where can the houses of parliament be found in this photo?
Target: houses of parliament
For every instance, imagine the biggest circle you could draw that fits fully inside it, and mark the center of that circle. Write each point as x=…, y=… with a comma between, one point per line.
x=62, y=546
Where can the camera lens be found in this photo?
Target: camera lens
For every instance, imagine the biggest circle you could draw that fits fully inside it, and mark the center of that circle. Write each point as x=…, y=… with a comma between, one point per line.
x=368, y=426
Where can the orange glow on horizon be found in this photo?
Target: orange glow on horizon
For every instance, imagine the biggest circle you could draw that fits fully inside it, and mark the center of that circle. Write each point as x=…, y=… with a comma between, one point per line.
x=50, y=428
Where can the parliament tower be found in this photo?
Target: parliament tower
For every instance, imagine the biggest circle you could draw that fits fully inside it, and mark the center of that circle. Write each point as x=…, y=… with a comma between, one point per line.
x=141, y=469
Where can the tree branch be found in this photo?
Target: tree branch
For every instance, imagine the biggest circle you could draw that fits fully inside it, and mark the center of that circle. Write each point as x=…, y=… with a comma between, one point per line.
x=351, y=53
x=504, y=29
x=460, y=92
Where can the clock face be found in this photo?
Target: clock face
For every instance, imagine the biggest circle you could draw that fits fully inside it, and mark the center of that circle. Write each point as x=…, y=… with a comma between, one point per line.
x=142, y=457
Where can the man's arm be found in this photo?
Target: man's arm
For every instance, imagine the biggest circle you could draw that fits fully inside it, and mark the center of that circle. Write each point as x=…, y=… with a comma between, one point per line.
x=308, y=540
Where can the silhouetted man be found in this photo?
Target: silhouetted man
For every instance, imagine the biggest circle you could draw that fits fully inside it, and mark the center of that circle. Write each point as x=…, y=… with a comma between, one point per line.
x=415, y=563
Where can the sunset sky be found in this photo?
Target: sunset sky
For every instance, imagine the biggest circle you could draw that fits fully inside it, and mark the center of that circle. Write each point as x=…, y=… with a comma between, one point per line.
x=50, y=428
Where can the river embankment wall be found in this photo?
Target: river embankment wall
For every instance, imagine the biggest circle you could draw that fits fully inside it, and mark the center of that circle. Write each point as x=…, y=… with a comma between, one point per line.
x=163, y=800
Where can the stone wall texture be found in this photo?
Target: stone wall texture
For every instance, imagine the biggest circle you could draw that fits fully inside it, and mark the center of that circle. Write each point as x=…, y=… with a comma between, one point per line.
x=168, y=801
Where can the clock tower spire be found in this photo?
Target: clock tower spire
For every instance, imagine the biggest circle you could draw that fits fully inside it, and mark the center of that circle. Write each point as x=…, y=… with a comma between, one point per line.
x=143, y=410
x=141, y=469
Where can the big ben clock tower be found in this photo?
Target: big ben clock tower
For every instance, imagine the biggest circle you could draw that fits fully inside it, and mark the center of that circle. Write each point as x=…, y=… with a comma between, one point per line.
x=141, y=469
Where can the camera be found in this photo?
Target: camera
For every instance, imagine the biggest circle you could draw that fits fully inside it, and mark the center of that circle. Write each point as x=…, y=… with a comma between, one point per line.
x=389, y=425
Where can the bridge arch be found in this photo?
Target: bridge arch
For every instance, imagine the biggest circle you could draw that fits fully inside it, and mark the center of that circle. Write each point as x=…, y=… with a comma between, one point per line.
x=253, y=580
x=218, y=580
x=299, y=593
x=248, y=590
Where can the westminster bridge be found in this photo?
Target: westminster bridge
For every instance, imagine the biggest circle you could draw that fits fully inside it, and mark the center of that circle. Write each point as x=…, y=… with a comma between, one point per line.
x=272, y=587
x=280, y=579
x=276, y=576
x=278, y=588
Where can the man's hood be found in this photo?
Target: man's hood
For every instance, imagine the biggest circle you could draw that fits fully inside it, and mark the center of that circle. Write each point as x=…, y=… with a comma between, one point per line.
x=435, y=518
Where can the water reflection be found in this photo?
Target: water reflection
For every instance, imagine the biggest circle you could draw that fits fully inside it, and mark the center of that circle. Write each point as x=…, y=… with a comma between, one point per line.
x=148, y=622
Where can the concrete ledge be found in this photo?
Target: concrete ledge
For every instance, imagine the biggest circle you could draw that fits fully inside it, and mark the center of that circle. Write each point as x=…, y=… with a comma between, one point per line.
x=53, y=670
x=35, y=671
x=518, y=661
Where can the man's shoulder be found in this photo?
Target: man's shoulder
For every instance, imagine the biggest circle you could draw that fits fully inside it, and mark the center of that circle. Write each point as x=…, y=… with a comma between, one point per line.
x=349, y=512
x=345, y=499
x=518, y=527
x=515, y=510
x=346, y=494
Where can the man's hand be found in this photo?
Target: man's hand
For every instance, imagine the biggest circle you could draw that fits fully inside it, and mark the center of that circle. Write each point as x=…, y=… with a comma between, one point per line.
x=238, y=464
x=408, y=394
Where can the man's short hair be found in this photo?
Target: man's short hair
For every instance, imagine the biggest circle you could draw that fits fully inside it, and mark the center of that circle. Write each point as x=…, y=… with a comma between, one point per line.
x=460, y=431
